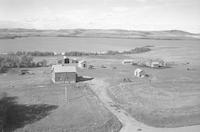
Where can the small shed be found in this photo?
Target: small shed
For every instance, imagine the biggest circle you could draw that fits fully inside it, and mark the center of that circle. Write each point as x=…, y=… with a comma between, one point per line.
x=82, y=64
x=128, y=61
x=139, y=73
x=155, y=64
x=74, y=60
x=158, y=63
x=64, y=74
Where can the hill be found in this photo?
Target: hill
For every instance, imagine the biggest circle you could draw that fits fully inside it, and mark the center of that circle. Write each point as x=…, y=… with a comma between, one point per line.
x=99, y=33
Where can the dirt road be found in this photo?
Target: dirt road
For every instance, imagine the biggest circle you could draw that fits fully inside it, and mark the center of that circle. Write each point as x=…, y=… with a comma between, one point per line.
x=99, y=86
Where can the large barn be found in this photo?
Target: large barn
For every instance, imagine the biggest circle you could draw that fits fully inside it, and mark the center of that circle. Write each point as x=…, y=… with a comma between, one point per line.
x=64, y=74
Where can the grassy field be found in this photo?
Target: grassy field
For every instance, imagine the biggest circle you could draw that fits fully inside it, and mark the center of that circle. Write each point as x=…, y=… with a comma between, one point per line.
x=33, y=103
x=170, y=98
x=167, y=98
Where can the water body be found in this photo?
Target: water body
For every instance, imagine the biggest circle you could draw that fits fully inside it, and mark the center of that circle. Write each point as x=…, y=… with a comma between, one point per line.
x=60, y=44
x=169, y=50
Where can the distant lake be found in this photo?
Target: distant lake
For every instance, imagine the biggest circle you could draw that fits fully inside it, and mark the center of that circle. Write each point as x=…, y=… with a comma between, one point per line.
x=60, y=44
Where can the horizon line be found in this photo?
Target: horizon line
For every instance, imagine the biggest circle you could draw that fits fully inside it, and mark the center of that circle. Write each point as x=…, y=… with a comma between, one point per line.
x=105, y=29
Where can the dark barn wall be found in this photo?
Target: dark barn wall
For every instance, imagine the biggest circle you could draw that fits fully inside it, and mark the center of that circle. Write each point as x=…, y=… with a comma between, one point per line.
x=66, y=61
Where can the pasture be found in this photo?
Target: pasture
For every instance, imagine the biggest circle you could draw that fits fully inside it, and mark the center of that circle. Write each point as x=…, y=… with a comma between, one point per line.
x=167, y=98
x=34, y=103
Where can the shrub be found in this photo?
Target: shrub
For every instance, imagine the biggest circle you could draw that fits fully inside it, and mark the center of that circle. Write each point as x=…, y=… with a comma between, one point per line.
x=13, y=61
x=42, y=63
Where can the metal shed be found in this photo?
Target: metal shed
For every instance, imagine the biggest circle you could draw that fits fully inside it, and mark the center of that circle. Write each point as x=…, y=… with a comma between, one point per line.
x=139, y=73
x=128, y=61
x=158, y=63
x=82, y=64
x=64, y=74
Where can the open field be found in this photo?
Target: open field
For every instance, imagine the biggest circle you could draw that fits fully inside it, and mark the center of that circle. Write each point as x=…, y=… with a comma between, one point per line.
x=168, y=98
x=35, y=104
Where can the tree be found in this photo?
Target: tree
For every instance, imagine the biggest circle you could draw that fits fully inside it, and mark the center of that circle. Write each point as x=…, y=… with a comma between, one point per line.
x=42, y=63
x=26, y=61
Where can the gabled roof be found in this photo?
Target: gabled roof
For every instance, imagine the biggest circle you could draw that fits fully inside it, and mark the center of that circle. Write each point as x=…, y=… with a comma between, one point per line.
x=138, y=70
x=61, y=68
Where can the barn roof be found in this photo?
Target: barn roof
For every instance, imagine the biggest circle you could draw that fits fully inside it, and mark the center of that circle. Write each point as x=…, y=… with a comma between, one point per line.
x=61, y=68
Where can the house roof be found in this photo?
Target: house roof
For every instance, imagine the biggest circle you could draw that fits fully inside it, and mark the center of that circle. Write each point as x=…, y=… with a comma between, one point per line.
x=138, y=70
x=61, y=68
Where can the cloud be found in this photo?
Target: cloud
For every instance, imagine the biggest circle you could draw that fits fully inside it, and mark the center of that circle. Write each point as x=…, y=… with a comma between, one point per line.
x=127, y=14
x=120, y=9
x=141, y=0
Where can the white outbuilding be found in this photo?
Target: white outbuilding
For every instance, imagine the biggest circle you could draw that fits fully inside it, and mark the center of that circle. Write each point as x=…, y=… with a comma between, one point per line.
x=82, y=64
x=158, y=63
x=139, y=73
x=127, y=61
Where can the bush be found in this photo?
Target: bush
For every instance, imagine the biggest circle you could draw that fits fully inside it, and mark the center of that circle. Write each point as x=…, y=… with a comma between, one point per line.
x=42, y=63
x=34, y=53
x=110, y=52
x=137, y=50
x=3, y=69
x=13, y=61
x=26, y=61
x=60, y=61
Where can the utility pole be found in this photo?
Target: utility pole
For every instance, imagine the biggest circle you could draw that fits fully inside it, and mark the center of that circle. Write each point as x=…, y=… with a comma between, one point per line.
x=66, y=97
x=66, y=88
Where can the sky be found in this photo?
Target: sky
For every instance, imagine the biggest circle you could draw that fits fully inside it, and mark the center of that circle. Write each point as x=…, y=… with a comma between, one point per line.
x=101, y=14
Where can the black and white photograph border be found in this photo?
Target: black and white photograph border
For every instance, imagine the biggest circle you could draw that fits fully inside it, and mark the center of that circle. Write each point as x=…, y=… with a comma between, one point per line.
x=99, y=65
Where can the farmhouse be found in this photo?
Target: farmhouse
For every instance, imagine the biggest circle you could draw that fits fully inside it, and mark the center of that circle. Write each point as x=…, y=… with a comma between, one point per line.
x=82, y=64
x=130, y=62
x=139, y=73
x=64, y=74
